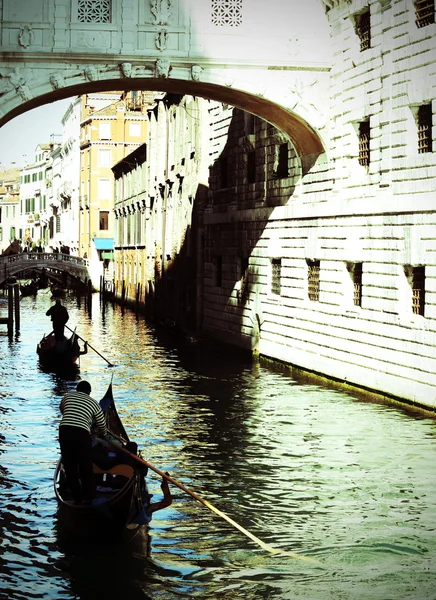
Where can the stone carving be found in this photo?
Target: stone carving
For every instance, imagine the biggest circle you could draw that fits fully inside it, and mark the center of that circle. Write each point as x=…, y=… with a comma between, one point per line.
x=302, y=94
x=163, y=67
x=126, y=69
x=161, y=39
x=19, y=82
x=26, y=37
x=196, y=72
x=161, y=10
x=91, y=73
x=57, y=80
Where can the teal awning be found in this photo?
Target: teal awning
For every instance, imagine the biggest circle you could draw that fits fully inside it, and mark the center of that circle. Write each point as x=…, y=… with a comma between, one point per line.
x=104, y=243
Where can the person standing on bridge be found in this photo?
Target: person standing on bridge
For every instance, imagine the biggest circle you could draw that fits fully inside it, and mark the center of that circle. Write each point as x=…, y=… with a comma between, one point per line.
x=59, y=316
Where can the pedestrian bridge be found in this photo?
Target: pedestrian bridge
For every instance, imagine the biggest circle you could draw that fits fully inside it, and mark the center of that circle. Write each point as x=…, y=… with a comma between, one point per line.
x=271, y=59
x=54, y=262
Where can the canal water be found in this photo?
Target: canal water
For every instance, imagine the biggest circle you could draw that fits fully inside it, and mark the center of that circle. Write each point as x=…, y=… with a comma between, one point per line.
x=346, y=488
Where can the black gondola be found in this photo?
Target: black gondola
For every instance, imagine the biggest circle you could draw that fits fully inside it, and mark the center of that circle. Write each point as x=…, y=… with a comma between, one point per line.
x=58, y=354
x=122, y=502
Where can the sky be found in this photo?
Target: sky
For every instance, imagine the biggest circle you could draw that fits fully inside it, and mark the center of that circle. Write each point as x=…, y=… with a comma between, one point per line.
x=19, y=137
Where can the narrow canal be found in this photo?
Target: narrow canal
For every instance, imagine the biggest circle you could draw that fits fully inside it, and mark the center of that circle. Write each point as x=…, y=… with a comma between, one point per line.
x=347, y=484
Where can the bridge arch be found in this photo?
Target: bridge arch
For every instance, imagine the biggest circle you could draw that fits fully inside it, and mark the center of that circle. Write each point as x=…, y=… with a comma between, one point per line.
x=74, y=266
x=274, y=63
x=305, y=138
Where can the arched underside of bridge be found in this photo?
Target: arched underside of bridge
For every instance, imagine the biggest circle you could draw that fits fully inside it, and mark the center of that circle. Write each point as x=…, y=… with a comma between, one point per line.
x=303, y=136
x=53, y=272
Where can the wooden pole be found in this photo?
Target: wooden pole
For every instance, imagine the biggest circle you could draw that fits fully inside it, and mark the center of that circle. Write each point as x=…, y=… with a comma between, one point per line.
x=10, y=309
x=17, y=307
x=210, y=506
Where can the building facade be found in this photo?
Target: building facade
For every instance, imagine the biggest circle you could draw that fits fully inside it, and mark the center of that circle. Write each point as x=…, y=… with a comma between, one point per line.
x=331, y=267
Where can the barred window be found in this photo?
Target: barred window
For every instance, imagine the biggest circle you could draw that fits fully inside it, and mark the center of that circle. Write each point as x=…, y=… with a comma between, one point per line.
x=425, y=118
x=94, y=11
x=418, y=290
x=313, y=279
x=424, y=12
x=363, y=28
x=276, y=271
x=357, y=282
x=364, y=137
x=227, y=12
x=58, y=223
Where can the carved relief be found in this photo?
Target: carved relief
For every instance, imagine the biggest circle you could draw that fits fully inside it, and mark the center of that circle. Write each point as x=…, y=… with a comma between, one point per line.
x=161, y=39
x=163, y=67
x=26, y=37
x=161, y=10
x=19, y=82
x=196, y=72
x=57, y=80
x=91, y=73
x=126, y=69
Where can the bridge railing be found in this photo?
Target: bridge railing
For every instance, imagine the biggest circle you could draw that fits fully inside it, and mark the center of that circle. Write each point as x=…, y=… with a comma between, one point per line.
x=46, y=257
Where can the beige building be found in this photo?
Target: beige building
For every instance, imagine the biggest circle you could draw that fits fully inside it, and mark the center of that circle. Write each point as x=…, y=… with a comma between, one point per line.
x=112, y=124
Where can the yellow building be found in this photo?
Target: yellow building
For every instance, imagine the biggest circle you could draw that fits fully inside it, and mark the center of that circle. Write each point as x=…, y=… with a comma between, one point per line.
x=112, y=125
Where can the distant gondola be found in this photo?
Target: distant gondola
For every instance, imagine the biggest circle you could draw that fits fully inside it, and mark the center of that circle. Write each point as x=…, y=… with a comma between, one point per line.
x=121, y=505
x=59, y=354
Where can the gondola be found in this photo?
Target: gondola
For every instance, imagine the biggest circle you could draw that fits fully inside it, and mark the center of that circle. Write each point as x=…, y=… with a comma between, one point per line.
x=121, y=505
x=58, y=354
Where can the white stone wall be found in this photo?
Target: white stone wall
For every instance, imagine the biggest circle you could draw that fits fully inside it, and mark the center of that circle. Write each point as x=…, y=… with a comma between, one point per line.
x=340, y=212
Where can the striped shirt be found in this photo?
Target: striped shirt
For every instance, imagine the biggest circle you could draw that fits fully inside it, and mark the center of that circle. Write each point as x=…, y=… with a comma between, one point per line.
x=80, y=410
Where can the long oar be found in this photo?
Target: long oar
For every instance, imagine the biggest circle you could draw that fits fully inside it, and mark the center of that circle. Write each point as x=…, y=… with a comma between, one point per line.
x=92, y=348
x=211, y=506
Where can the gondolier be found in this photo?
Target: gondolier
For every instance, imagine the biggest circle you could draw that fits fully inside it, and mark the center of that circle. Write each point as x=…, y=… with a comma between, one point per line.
x=59, y=316
x=79, y=413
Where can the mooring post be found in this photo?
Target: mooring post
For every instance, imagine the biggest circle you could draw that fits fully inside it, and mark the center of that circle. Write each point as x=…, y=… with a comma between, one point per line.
x=17, y=307
x=10, y=310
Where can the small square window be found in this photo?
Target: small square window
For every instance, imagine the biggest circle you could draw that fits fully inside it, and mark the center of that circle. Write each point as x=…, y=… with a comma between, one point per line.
x=425, y=118
x=364, y=138
x=363, y=29
x=313, y=279
x=424, y=12
x=418, y=290
x=276, y=272
x=94, y=11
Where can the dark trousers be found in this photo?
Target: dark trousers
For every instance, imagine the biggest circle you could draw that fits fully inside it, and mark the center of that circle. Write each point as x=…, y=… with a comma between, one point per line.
x=58, y=329
x=76, y=451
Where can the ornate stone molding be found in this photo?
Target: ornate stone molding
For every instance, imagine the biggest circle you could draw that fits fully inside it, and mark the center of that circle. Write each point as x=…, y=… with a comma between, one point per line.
x=26, y=37
x=162, y=11
x=163, y=68
x=161, y=39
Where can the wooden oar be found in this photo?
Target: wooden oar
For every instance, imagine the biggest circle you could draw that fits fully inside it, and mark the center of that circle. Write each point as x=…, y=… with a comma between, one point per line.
x=210, y=506
x=92, y=348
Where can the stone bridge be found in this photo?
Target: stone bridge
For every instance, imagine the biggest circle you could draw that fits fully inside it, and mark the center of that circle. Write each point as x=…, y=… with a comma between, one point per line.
x=13, y=264
x=270, y=58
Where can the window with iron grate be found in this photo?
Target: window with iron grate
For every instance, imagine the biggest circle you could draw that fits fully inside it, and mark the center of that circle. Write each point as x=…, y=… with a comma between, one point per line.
x=313, y=279
x=425, y=117
x=424, y=12
x=276, y=272
x=363, y=29
x=227, y=13
x=418, y=290
x=357, y=282
x=364, y=137
x=94, y=11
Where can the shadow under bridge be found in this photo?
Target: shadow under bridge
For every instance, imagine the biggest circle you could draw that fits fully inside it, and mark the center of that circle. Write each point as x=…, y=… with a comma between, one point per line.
x=55, y=265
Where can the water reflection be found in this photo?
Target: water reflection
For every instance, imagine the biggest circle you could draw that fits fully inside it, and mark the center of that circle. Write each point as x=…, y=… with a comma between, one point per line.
x=305, y=469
